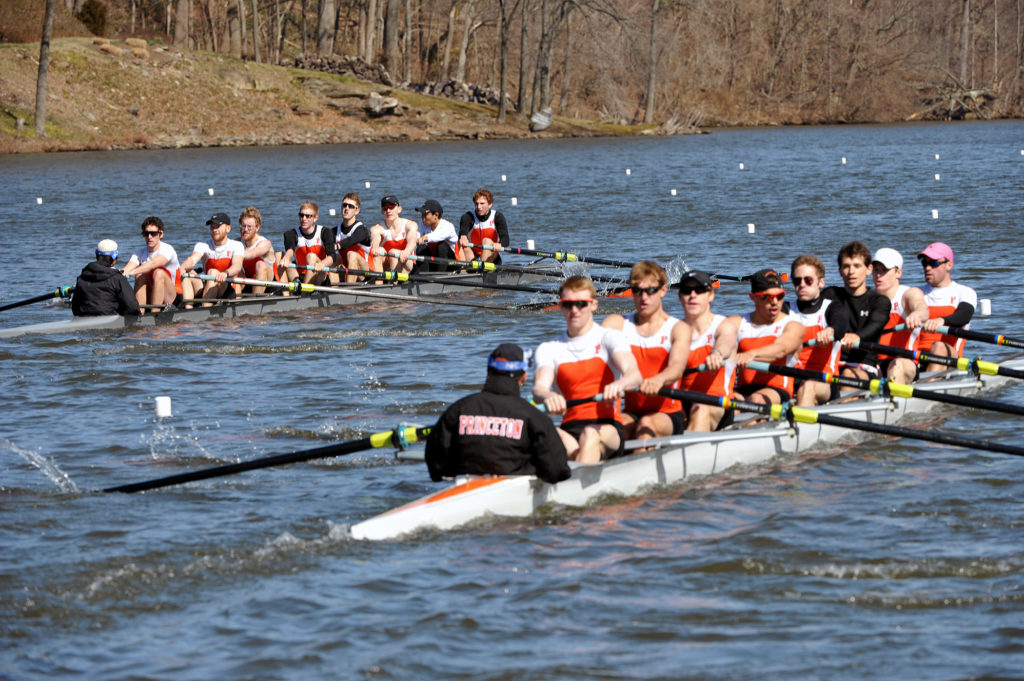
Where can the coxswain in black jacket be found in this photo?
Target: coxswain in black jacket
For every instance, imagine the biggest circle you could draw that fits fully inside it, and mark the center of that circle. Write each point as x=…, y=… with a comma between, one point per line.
x=497, y=432
x=102, y=290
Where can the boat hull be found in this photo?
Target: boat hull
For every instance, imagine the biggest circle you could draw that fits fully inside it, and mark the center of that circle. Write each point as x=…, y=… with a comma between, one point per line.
x=676, y=459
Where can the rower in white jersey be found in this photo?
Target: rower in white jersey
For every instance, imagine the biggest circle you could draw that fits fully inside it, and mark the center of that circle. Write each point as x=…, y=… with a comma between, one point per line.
x=395, y=240
x=660, y=344
x=220, y=257
x=908, y=308
x=258, y=258
x=949, y=304
x=155, y=267
x=824, y=322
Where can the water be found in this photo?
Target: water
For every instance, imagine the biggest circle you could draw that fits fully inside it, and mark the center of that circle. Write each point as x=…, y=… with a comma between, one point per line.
x=888, y=559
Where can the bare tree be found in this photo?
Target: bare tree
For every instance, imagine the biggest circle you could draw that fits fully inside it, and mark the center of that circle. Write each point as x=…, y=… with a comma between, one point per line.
x=182, y=19
x=44, y=66
x=506, y=8
x=327, y=17
x=255, y=31
x=652, y=63
x=472, y=23
x=392, y=21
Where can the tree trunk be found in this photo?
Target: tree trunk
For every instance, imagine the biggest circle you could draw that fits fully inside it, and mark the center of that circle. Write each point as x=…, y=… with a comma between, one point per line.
x=371, y=32
x=392, y=20
x=964, y=41
x=325, y=28
x=181, y=24
x=523, y=58
x=208, y=11
x=241, y=21
x=446, y=58
x=44, y=66
x=652, y=63
x=467, y=35
x=234, y=30
x=303, y=29
x=255, y=31
x=407, y=42
x=505, y=10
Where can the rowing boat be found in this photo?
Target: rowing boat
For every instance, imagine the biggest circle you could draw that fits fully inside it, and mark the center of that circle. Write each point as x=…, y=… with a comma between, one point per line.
x=675, y=459
x=346, y=295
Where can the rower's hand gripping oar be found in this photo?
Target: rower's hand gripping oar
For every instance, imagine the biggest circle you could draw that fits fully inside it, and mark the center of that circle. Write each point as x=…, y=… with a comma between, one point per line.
x=62, y=292
x=398, y=437
x=887, y=388
x=788, y=412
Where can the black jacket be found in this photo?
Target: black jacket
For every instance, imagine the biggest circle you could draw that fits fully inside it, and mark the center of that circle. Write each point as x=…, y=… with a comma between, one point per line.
x=496, y=432
x=102, y=290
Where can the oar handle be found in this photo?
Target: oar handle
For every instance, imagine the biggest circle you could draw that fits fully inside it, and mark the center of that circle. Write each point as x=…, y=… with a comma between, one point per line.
x=571, y=403
x=783, y=276
x=62, y=292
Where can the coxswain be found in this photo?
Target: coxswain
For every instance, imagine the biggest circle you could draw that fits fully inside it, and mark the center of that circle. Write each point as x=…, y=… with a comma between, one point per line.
x=660, y=344
x=221, y=259
x=437, y=235
x=101, y=289
x=495, y=431
x=482, y=226
x=258, y=259
x=768, y=334
x=587, y=360
x=351, y=240
x=311, y=245
x=824, y=321
x=713, y=342
x=949, y=304
x=398, y=236
x=866, y=310
x=907, y=307
x=155, y=267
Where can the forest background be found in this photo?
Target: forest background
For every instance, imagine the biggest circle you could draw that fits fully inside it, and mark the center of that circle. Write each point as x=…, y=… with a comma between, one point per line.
x=598, y=65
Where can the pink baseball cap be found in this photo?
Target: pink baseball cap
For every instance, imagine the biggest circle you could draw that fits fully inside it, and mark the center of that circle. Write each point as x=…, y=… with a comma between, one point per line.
x=938, y=251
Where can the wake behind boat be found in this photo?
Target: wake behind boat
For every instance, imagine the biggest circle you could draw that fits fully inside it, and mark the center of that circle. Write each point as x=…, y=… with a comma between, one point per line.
x=675, y=459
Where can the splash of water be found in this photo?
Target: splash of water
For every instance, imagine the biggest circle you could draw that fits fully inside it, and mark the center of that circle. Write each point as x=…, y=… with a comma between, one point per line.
x=45, y=464
x=676, y=268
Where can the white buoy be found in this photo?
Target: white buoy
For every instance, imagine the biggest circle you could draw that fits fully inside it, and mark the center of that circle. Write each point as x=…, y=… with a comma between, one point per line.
x=502, y=178
x=210, y=191
x=331, y=212
x=673, y=192
x=935, y=214
x=629, y=171
x=937, y=176
x=844, y=160
x=936, y=157
x=750, y=228
x=366, y=184
x=529, y=244
x=163, y=406
x=39, y=200
x=741, y=166
x=515, y=201
x=985, y=307
x=1022, y=152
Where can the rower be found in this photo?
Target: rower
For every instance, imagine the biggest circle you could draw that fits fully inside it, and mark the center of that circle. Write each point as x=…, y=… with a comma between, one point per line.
x=482, y=226
x=220, y=257
x=587, y=360
x=768, y=334
x=258, y=258
x=823, y=321
x=866, y=310
x=437, y=235
x=311, y=245
x=908, y=307
x=949, y=304
x=155, y=267
x=660, y=343
x=397, y=235
x=352, y=240
x=713, y=344
x=101, y=289
x=495, y=431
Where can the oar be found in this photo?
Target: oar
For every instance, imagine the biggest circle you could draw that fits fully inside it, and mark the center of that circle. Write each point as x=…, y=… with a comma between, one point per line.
x=398, y=437
x=994, y=339
x=972, y=364
x=786, y=411
x=560, y=256
x=887, y=388
x=298, y=287
x=62, y=292
x=744, y=277
x=392, y=275
x=478, y=265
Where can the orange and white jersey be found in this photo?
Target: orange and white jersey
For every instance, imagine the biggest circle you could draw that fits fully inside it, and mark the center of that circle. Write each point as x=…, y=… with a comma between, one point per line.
x=943, y=302
x=483, y=228
x=583, y=367
x=817, y=357
x=172, y=267
x=395, y=239
x=719, y=383
x=306, y=245
x=651, y=354
x=249, y=264
x=897, y=315
x=753, y=336
x=216, y=257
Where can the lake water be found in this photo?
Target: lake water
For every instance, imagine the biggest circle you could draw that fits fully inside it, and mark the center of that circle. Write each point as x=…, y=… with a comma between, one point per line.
x=889, y=559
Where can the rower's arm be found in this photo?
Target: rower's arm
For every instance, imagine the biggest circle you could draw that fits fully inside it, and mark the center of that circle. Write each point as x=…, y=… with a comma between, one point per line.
x=916, y=307
x=678, y=353
x=625, y=362
x=542, y=392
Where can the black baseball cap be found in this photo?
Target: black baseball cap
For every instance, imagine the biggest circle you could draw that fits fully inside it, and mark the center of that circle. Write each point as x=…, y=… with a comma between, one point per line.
x=509, y=358
x=430, y=206
x=219, y=219
x=766, y=280
x=390, y=200
x=703, y=279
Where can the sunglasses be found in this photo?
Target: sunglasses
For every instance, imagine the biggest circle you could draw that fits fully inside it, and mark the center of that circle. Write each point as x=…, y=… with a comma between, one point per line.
x=148, y=234
x=649, y=290
x=308, y=216
x=771, y=297
x=570, y=304
x=932, y=262
x=350, y=206
x=389, y=206
x=687, y=290
x=806, y=281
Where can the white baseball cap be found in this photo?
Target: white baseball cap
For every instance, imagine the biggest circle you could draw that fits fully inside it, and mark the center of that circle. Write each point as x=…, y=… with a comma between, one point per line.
x=107, y=247
x=889, y=257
